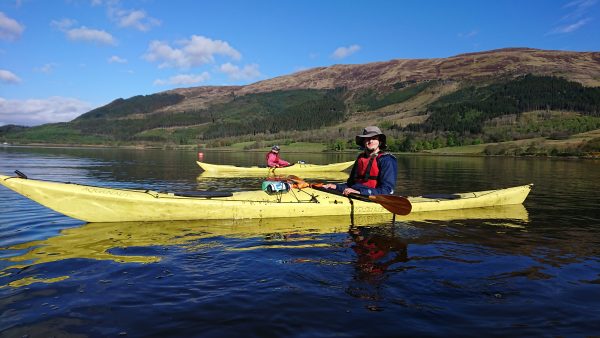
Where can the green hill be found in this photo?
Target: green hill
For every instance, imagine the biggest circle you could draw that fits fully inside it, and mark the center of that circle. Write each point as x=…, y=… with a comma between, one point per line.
x=506, y=95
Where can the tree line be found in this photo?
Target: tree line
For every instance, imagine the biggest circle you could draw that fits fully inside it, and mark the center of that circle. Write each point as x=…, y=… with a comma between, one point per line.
x=465, y=111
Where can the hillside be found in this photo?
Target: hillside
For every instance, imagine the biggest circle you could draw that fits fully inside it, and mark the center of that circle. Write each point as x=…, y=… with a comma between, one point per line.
x=422, y=103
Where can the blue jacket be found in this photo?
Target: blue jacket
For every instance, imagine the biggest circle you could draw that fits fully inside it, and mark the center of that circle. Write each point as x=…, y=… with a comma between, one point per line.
x=386, y=181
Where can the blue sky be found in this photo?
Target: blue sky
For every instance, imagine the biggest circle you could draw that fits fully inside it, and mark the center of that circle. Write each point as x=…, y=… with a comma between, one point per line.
x=62, y=58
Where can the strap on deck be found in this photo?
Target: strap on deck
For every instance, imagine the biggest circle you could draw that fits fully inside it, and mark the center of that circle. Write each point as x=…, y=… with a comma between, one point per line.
x=205, y=194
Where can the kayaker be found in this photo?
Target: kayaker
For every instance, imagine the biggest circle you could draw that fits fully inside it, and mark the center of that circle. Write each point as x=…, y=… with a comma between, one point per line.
x=374, y=171
x=273, y=159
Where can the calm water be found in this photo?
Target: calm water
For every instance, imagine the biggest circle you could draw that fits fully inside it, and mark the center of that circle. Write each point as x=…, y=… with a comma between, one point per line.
x=521, y=271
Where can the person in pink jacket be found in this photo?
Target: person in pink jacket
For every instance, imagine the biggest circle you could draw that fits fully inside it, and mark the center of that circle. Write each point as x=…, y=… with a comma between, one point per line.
x=273, y=160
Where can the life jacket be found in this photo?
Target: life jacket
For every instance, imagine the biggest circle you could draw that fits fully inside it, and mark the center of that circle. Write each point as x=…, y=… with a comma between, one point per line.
x=367, y=169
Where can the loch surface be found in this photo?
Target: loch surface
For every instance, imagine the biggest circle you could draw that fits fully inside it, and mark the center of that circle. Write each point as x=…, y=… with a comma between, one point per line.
x=530, y=270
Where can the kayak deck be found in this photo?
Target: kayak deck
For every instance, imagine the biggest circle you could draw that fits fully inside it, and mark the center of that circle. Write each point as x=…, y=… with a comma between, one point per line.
x=98, y=204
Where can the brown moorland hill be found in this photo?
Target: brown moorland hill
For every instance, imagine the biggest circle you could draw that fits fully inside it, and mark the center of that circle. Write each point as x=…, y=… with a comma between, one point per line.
x=582, y=67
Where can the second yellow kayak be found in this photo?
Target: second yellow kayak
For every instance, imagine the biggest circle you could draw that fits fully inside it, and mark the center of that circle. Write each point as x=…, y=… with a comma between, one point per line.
x=297, y=169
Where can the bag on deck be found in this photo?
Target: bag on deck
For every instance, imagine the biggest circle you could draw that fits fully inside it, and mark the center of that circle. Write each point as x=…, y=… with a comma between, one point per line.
x=273, y=187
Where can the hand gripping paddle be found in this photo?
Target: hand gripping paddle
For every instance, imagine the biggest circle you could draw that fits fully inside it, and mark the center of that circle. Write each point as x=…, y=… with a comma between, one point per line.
x=395, y=204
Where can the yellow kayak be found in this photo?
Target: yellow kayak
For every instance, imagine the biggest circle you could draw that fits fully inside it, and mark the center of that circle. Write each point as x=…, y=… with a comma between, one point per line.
x=317, y=175
x=98, y=204
x=296, y=168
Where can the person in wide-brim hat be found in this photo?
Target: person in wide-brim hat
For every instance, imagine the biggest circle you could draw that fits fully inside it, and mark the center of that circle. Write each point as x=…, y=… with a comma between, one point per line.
x=370, y=132
x=374, y=171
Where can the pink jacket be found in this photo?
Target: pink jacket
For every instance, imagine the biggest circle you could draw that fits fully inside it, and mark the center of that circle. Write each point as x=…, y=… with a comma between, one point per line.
x=273, y=160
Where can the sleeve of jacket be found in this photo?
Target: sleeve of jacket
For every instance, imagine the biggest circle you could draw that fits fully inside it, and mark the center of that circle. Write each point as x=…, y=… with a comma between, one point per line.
x=388, y=172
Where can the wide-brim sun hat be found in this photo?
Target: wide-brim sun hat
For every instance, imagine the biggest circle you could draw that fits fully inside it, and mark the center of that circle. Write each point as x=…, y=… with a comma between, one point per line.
x=371, y=131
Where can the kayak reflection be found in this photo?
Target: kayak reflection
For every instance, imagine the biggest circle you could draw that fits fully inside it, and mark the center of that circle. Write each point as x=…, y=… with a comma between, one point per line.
x=123, y=242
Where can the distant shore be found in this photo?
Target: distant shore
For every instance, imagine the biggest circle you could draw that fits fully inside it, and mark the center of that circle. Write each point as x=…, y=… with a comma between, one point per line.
x=303, y=147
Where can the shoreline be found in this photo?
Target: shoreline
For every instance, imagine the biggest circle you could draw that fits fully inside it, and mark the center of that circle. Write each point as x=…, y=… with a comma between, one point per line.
x=592, y=156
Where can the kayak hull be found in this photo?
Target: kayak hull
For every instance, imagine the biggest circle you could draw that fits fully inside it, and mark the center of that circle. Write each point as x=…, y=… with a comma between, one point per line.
x=98, y=204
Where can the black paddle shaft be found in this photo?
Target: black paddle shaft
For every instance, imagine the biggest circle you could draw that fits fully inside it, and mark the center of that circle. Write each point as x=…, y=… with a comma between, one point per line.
x=335, y=192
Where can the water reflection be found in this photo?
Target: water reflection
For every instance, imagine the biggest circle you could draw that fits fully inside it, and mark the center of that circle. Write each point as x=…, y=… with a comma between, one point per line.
x=128, y=242
x=376, y=251
x=136, y=242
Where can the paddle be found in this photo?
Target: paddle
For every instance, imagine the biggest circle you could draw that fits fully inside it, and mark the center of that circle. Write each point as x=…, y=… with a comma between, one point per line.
x=395, y=204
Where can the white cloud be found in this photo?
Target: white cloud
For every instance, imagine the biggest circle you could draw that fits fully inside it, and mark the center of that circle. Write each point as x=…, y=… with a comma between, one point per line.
x=577, y=16
x=468, y=35
x=116, y=59
x=578, y=8
x=570, y=27
x=236, y=73
x=8, y=77
x=92, y=35
x=34, y=112
x=183, y=79
x=137, y=19
x=343, y=52
x=63, y=24
x=197, y=50
x=47, y=68
x=83, y=33
x=10, y=29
